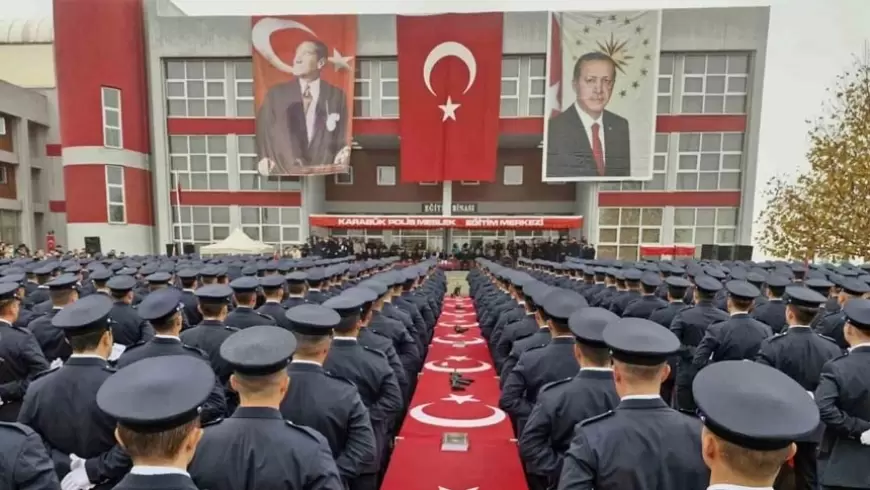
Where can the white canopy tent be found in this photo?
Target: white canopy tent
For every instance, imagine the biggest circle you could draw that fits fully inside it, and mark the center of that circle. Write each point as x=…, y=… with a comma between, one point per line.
x=237, y=243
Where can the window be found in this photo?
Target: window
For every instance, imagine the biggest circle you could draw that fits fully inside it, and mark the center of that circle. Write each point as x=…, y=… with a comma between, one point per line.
x=345, y=178
x=523, y=86
x=513, y=175
x=410, y=239
x=428, y=183
x=469, y=182
x=200, y=162
x=665, y=83
x=279, y=226
x=112, y=135
x=244, y=80
x=200, y=225
x=715, y=83
x=659, y=175
x=701, y=226
x=709, y=161
x=364, y=235
x=4, y=177
x=529, y=235
x=2, y=126
x=386, y=175
x=35, y=184
x=197, y=88
x=621, y=231
x=115, y=192
x=249, y=177
x=10, y=226
x=376, y=92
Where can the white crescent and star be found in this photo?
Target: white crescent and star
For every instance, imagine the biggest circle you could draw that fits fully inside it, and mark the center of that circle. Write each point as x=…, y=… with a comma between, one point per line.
x=419, y=414
x=439, y=52
x=474, y=341
x=445, y=488
x=261, y=39
x=443, y=366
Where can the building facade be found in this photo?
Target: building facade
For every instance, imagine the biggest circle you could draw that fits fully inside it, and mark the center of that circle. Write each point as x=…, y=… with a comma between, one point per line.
x=156, y=129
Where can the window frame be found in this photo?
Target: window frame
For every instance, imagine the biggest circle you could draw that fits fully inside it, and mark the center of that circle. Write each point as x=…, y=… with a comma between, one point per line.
x=698, y=156
x=348, y=177
x=106, y=109
x=716, y=227
x=187, y=176
x=641, y=227
x=381, y=182
x=227, y=81
x=513, y=182
x=727, y=74
x=115, y=204
x=179, y=223
x=261, y=212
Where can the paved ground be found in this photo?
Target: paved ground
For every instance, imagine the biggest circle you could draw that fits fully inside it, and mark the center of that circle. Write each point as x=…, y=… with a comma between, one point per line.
x=457, y=278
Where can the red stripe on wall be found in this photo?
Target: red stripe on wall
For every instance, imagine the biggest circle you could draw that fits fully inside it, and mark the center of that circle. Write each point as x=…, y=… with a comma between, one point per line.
x=242, y=198
x=52, y=150
x=507, y=126
x=57, y=206
x=85, y=189
x=137, y=196
x=690, y=199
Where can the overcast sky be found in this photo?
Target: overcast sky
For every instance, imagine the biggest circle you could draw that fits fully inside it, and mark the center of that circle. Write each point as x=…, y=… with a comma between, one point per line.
x=810, y=43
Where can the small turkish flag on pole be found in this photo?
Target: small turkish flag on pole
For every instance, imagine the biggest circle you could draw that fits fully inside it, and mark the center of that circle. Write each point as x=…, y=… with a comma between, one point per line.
x=554, y=87
x=449, y=96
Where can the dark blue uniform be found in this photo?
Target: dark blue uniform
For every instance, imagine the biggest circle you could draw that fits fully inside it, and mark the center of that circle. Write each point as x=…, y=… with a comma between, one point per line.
x=243, y=317
x=24, y=462
x=690, y=325
x=644, y=306
x=50, y=338
x=735, y=339
x=22, y=360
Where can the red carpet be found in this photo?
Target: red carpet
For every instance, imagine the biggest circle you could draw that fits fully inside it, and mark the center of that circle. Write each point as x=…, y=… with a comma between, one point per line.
x=492, y=460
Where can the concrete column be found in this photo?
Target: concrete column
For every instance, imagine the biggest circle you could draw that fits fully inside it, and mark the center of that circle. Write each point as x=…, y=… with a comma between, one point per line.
x=586, y=205
x=23, y=183
x=447, y=211
x=313, y=200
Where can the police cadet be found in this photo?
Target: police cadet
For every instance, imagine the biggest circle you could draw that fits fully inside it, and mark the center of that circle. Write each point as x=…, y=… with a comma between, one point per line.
x=737, y=338
x=632, y=283
x=752, y=415
x=842, y=398
x=60, y=403
x=690, y=325
x=157, y=411
x=162, y=309
x=406, y=346
x=409, y=293
x=24, y=315
x=518, y=329
x=245, y=293
x=370, y=337
x=44, y=274
x=514, y=311
x=648, y=302
x=832, y=325
x=422, y=330
x=611, y=451
x=273, y=292
x=24, y=461
x=127, y=326
x=296, y=289
x=563, y=404
x=323, y=401
x=370, y=371
x=101, y=278
x=544, y=363
x=540, y=337
x=212, y=331
x=188, y=278
x=315, y=279
x=773, y=311
x=800, y=353
x=21, y=359
x=63, y=292
x=256, y=448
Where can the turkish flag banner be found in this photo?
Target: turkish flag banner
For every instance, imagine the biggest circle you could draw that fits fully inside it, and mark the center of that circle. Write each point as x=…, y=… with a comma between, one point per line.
x=435, y=409
x=419, y=464
x=449, y=96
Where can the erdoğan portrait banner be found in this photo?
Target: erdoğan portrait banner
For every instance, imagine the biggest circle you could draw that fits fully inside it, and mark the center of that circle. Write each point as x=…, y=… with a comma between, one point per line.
x=603, y=75
x=303, y=93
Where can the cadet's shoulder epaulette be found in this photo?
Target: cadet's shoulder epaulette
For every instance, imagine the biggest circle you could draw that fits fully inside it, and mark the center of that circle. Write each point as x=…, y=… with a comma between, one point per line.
x=42, y=374
x=829, y=339
x=684, y=308
x=268, y=317
x=553, y=384
x=778, y=336
x=22, y=329
x=211, y=423
x=374, y=351
x=841, y=356
x=231, y=329
x=138, y=343
x=110, y=369
x=536, y=347
x=308, y=431
x=592, y=420
x=339, y=378
x=195, y=350
x=24, y=429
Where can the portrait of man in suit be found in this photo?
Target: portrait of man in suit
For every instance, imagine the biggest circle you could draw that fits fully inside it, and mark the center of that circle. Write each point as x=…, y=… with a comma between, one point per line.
x=586, y=140
x=302, y=123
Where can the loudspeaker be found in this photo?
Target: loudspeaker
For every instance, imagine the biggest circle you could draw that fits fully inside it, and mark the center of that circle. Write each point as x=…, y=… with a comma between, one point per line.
x=189, y=248
x=709, y=252
x=743, y=252
x=92, y=245
x=724, y=252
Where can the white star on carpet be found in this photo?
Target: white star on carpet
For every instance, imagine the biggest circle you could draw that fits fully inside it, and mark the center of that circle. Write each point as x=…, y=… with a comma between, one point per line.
x=449, y=109
x=460, y=399
x=445, y=488
x=456, y=335
x=458, y=358
x=552, y=99
x=340, y=62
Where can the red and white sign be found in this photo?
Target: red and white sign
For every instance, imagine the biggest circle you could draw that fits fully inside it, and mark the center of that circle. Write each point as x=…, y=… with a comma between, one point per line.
x=449, y=79
x=362, y=222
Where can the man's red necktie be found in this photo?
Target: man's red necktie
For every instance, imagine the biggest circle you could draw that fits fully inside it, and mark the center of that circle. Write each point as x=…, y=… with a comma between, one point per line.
x=597, y=152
